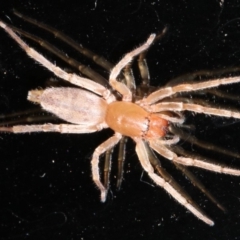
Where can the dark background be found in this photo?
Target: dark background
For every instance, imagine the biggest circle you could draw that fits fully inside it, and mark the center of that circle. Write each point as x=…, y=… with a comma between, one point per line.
x=46, y=191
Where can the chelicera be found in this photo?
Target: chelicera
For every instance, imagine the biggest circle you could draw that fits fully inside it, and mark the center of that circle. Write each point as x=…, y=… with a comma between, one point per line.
x=150, y=121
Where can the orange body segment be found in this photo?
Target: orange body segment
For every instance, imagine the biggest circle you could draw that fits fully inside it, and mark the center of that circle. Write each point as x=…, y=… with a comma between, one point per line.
x=131, y=120
x=157, y=126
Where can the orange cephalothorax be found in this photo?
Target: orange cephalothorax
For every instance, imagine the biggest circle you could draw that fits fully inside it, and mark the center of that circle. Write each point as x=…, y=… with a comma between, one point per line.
x=132, y=120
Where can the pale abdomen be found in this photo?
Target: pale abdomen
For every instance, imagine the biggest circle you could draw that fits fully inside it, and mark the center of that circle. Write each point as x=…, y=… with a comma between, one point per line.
x=71, y=104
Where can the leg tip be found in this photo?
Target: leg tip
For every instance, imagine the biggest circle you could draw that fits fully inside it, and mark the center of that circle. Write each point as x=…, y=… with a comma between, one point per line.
x=103, y=196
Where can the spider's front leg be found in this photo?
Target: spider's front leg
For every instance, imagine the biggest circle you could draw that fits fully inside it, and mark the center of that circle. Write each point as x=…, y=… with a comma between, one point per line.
x=145, y=162
x=181, y=106
x=170, y=155
x=186, y=87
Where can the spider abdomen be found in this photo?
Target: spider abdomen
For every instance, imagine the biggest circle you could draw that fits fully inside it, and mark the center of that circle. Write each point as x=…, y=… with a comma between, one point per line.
x=73, y=105
x=132, y=120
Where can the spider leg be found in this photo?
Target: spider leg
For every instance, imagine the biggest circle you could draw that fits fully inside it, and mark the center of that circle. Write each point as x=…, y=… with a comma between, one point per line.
x=189, y=77
x=49, y=127
x=129, y=80
x=180, y=106
x=121, y=160
x=179, y=120
x=167, y=153
x=72, y=78
x=142, y=63
x=191, y=177
x=107, y=167
x=168, y=178
x=103, y=147
x=144, y=160
x=23, y=117
x=194, y=180
x=187, y=87
x=163, y=173
x=58, y=34
x=206, y=145
x=120, y=87
x=90, y=73
x=223, y=95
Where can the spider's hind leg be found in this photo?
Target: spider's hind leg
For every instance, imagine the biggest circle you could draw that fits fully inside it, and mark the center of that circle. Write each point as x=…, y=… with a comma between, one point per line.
x=83, y=69
x=99, y=60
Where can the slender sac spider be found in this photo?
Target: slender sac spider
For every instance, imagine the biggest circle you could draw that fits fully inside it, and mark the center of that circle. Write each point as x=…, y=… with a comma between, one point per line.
x=150, y=121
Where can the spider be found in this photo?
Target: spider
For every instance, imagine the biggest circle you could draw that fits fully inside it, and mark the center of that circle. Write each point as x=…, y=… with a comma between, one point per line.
x=149, y=121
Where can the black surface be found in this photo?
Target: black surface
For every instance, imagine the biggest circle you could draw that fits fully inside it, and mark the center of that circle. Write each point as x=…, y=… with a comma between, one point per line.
x=45, y=179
